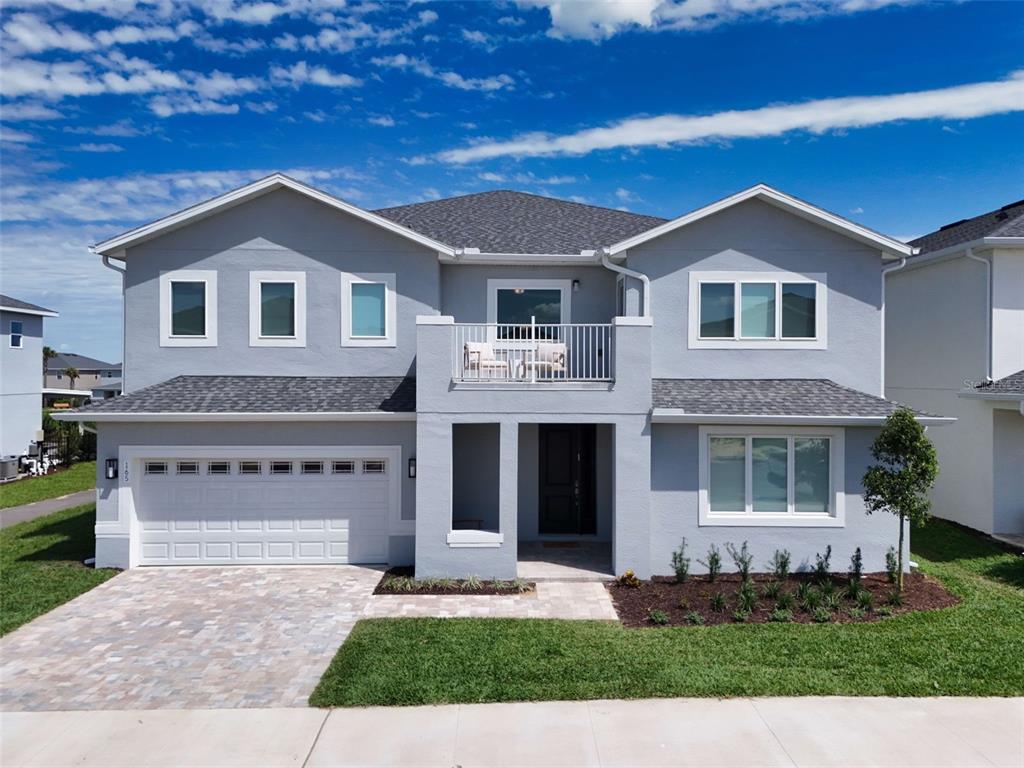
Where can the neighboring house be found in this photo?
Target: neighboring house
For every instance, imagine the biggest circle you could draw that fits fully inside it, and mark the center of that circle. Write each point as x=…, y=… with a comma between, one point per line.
x=106, y=388
x=21, y=360
x=310, y=382
x=954, y=323
x=92, y=373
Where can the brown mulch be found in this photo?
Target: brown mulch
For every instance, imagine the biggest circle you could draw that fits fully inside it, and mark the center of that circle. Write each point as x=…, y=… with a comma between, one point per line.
x=424, y=587
x=663, y=593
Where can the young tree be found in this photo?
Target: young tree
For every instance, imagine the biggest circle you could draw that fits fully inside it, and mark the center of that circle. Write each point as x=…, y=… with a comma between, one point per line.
x=72, y=373
x=904, y=474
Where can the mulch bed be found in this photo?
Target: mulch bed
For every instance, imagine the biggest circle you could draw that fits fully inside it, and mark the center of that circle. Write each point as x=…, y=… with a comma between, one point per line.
x=398, y=581
x=679, y=602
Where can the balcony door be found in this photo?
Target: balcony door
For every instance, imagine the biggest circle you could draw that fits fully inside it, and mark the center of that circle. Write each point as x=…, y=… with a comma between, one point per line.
x=567, y=488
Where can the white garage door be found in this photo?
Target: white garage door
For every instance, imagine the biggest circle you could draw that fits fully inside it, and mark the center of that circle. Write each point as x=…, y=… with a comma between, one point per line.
x=259, y=510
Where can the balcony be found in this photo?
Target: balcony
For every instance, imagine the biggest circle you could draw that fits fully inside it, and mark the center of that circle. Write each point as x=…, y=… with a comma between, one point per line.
x=537, y=353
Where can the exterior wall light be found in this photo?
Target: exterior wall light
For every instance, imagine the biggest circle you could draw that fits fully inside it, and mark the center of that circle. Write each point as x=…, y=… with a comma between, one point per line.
x=575, y=286
x=412, y=468
x=111, y=466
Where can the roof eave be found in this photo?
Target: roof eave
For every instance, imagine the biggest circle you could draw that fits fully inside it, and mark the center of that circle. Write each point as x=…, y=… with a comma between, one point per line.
x=36, y=312
x=107, y=416
x=955, y=251
x=890, y=247
x=680, y=416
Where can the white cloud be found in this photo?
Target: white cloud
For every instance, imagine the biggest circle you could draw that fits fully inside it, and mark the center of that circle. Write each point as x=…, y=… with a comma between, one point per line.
x=183, y=104
x=958, y=102
x=495, y=178
x=625, y=196
x=99, y=148
x=511, y=21
x=302, y=73
x=121, y=128
x=384, y=121
x=26, y=33
x=451, y=79
x=261, y=107
x=28, y=110
x=11, y=136
x=856, y=210
x=130, y=34
x=475, y=36
x=316, y=115
x=346, y=34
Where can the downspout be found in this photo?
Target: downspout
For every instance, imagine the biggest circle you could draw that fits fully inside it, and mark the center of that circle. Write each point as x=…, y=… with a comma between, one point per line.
x=988, y=310
x=124, y=319
x=606, y=262
x=885, y=273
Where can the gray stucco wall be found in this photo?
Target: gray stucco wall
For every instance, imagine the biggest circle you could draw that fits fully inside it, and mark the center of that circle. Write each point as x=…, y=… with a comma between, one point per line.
x=111, y=436
x=674, y=512
x=1007, y=474
x=755, y=236
x=21, y=383
x=280, y=231
x=475, y=474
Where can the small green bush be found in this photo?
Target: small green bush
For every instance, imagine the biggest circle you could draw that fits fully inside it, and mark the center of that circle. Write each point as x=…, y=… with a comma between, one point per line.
x=827, y=587
x=830, y=602
x=713, y=563
x=865, y=600
x=520, y=585
x=746, y=596
x=718, y=602
x=821, y=615
x=741, y=558
x=681, y=563
x=771, y=589
x=628, y=579
x=657, y=617
x=780, y=616
x=811, y=601
x=780, y=563
x=803, y=589
x=694, y=617
x=855, y=613
x=894, y=598
x=823, y=564
x=785, y=601
x=472, y=582
x=884, y=610
x=856, y=565
x=892, y=565
x=741, y=616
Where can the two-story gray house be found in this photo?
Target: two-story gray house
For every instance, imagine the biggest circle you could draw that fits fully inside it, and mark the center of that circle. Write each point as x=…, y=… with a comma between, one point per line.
x=21, y=366
x=448, y=382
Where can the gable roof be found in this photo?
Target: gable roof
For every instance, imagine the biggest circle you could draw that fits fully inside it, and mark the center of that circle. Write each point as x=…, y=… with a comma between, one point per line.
x=10, y=304
x=81, y=362
x=890, y=246
x=257, y=188
x=504, y=221
x=1007, y=221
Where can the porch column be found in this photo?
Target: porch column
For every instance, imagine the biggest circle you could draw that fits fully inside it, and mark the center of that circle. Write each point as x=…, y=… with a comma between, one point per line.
x=632, y=495
x=508, y=495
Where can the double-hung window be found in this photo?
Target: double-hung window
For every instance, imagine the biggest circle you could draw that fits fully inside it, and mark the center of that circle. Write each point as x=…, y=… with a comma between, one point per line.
x=277, y=309
x=771, y=476
x=368, y=310
x=17, y=334
x=757, y=310
x=188, y=308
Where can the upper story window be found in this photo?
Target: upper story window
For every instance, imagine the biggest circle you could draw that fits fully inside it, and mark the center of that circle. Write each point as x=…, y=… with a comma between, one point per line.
x=17, y=334
x=277, y=309
x=515, y=306
x=368, y=310
x=754, y=310
x=188, y=308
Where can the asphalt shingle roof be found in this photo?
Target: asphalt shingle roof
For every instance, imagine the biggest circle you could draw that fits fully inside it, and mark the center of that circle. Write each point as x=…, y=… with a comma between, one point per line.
x=266, y=394
x=8, y=302
x=1008, y=385
x=505, y=221
x=81, y=362
x=768, y=397
x=1008, y=221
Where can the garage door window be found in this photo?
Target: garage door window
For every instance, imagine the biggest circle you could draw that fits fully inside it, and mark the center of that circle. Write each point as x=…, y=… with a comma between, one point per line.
x=280, y=467
x=374, y=467
x=156, y=468
x=188, y=467
x=312, y=467
x=218, y=468
x=250, y=468
x=343, y=467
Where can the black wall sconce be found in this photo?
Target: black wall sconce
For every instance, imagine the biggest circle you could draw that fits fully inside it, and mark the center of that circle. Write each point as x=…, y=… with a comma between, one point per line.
x=575, y=286
x=111, y=469
x=412, y=468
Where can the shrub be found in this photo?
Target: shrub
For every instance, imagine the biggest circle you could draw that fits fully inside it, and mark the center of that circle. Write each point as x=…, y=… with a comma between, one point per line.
x=780, y=615
x=694, y=617
x=892, y=565
x=811, y=601
x=742, y=559
x=628, y=579
x=713, y=563
x=831, y=602
x=718, y=603
x=780, y=564
x=802, y=589
x=827, y=587
x=657, y=617
x=865, y=600
x=852, y=589
x=855, y=613
x=500, y=585
x=746, y=596
x=400, y=584
x=520, y=585
x=472, y=582
x=822, y=615
x=740, y=615
x=681, y=563
x=884, y=610
x=785, y=601
x=856, y=566
x=894, y=598
x=771, y=589
x=684, y=604
x=823, y=564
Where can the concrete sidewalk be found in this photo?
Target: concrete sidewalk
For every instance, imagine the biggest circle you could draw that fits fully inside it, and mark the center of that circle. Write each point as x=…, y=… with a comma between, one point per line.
x=660, y=732
x=13, y=515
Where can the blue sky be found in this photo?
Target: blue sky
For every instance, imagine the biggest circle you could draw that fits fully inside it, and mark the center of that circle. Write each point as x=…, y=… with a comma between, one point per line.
x=899, y=114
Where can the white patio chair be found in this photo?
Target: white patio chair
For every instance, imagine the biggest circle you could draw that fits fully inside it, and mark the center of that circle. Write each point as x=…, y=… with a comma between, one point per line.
x=478, y=358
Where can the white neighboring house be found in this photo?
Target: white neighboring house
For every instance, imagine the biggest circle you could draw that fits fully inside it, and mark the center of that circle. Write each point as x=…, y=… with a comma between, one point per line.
x=955, y=344
x=21, y=363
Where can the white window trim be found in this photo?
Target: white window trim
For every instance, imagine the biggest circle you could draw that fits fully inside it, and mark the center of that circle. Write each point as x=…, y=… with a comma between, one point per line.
x=12, y=334
x=256, y=279
x=347, y=281
x=496, y=284
x=209, y=278
x=778, y=278
x=837, y=480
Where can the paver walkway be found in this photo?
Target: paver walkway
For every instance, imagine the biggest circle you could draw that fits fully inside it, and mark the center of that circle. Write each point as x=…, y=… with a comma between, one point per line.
x=832, y=731
x=13, y=515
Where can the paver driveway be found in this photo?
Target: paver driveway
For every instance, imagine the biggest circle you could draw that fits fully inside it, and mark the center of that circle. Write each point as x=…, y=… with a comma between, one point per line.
x=186, y=638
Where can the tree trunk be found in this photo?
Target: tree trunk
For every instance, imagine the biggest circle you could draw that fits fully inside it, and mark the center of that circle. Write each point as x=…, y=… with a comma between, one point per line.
x=899, y=575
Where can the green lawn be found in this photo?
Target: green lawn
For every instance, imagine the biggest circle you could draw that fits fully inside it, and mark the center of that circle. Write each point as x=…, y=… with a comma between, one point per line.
x=80, y=477
x=41, y=564
x=972, y=649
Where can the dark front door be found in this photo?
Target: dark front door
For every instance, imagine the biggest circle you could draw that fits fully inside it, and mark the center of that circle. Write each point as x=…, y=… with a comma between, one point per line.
x=567, y=503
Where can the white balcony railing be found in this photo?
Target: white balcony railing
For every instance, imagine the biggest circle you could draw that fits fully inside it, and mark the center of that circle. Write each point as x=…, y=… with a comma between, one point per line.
x=533, y=352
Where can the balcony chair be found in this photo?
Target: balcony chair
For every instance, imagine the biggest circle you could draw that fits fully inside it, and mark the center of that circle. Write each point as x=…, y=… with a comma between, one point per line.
x=478, y=358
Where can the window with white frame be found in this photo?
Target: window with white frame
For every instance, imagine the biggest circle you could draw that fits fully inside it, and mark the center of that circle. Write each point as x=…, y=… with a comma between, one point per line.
x=755, y=310
x=368, y=303
x=17, y=334
x=277, y=309
x=515, y=307
x=771, y=476
x=188, y=308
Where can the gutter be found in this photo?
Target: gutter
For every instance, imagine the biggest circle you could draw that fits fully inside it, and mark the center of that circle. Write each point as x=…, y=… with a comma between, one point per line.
x=124, y=317
x=679, y=416
x=101, y=416
x=885, y=273
x=606, y=262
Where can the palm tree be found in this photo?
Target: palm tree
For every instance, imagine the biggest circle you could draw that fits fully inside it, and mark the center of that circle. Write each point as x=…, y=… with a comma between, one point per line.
x=48, y=354
x=72, y=373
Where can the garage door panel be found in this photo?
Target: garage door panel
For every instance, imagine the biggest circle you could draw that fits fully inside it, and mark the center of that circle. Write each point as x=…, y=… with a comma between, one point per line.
x=284, y=518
